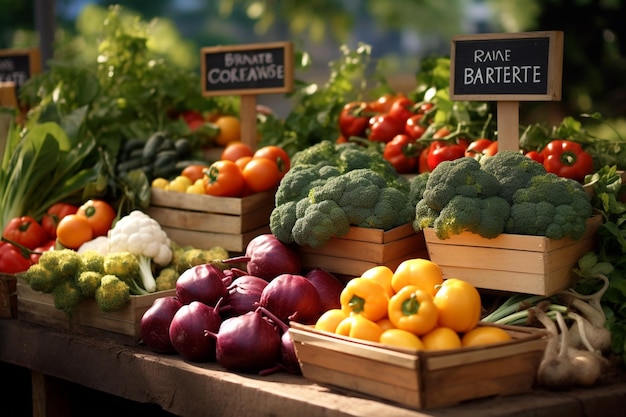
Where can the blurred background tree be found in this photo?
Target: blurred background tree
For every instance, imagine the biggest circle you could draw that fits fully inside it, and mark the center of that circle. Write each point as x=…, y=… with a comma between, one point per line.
x=402, y=32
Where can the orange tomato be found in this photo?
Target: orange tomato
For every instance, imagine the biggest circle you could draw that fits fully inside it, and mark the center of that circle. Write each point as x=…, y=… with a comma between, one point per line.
x=276, y=154
x=223, y=179
x=484, y=335
x=99, y=214
x=235, y=150
x=261, y=174
x=73, y=230
x=243, y=161
x=194, y=172
x=229, y=130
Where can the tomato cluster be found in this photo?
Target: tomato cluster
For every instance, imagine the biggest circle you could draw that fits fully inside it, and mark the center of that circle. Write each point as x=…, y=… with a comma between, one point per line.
x=242, y=171
x=411, y=307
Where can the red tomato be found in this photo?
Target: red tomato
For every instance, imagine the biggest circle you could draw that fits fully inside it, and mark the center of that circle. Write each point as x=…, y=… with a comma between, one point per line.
x=402, y=109
x=99, y=214
x=482, y=146
x=50, y=245
x=440, y=151
x=224, y=179
x=25, y=231
x=261, y=174
x=384, y=127
x=413, y=126
x=276, y=154
x=535, y=156
x=193, y=172
x=12, y=261
x=53, y=216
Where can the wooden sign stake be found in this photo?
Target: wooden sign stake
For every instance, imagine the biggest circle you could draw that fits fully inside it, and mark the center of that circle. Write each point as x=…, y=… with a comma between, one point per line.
x=507, y=69
x=248, y=70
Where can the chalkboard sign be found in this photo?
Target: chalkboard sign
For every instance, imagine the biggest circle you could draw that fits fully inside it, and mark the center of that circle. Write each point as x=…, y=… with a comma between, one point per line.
x=19, y=65
x=247, y=69
x=505, y=67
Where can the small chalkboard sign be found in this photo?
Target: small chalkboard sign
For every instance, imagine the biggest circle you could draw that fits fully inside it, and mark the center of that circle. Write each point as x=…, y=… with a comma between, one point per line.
x=247, y=69
x=505, y=67
x=19, y=65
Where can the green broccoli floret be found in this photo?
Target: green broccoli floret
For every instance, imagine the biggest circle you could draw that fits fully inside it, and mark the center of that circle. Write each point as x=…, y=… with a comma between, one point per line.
x=320, y=222
x=484, y=216
x=282, y=220
x=92, y=261
x=392, y=209
x=66, y=296
x=297, y=182
x=417, y=185
x=513, y=171
x=424, y=216
x=125, y=266
x=88, y=282
x=41, y=279
x=64, y=263
x=462, y=176
x=112, y=294
x=551, y=206
x=166, y=280
x=324, y=151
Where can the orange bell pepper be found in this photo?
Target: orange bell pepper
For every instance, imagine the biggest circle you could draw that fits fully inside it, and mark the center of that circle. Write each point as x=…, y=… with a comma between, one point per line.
x=413, y=309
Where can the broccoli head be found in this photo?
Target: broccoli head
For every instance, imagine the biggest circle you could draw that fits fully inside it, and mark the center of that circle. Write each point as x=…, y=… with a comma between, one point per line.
x=424, y=216
x=324, y=151
x=65, y=264
x=320, y=222
x=125, y=266
x=297, y=182
x=282, y=220
x=66, y=296
x=483, y=216
x=551, y=206
x=112, y=294
x=462, y=176
x=391, y=209
x=417, y=185
x=513, y=170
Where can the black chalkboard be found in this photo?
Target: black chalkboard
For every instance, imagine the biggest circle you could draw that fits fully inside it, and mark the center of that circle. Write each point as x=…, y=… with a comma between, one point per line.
x=18, y=65
x=511, y=65
x=247, y=69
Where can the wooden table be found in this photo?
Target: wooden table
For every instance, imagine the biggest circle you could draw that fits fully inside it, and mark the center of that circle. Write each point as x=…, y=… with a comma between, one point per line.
x=203, y=390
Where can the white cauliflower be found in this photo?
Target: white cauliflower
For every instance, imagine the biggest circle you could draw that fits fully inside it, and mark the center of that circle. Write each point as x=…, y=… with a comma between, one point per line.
x=142, y=236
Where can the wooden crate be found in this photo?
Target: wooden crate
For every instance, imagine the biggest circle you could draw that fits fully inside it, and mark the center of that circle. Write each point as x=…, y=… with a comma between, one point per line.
x=512, y=263
x=420, y=379
x=8, y=296
x=363, y=248
x=205, y=221
x=124, y=325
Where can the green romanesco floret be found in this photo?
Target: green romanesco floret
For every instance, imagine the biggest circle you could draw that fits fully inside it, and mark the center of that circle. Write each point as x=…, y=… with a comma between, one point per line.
x=282, y=220
x=299, y=180
x=141, y=235
x=125, y=266
x=166, y=279
x=483, y=216
x=513, y=170
x=462, y=176
x=66, y=296
x=92, y=261
x=88, y=282
x=41, y=279
x=112, y=294
x=320, y=222
x=551, y=206
x=64, y=263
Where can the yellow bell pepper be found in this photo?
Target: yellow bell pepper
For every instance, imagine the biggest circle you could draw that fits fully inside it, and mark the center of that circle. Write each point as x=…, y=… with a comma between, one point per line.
x=421, y=272
x=358, y=327
x=365, y=297
x=413, y=309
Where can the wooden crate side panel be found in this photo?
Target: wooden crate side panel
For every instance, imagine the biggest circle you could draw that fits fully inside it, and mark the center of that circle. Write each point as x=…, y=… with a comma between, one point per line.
x=503, y=241
x=206, y=240
x=38, y=308
x=196, y=221
x=498, y=280
x=210, y=204
x=374, y=388
x=568, y=256
x=352, y=267
x=8, y=296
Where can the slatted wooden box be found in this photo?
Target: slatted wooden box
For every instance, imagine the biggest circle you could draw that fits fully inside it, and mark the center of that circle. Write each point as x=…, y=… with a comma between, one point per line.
x=8, y=296
x=363, y=248
x=205, y=221
x=420, y=379
x=512, y=263
x=123, y=325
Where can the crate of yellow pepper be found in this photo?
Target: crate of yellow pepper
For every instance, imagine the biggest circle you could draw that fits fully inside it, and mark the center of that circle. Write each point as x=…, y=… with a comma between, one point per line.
x=410, y=337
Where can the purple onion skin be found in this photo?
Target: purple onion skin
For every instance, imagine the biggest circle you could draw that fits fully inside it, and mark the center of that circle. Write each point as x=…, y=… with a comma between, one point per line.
x=292, y=297
x=328, y=287
x=190, y=331
x=155, y=324
x=205, y=283
x=244, y=294
x=288, y=357
x=267, y=257
x=248, y=343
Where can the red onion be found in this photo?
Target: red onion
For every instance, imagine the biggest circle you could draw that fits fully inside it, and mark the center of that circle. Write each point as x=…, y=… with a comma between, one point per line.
x=205, y=283
x=288, y=358
x=244, y=294
x=292, y=297
x=190, y=331
x=155, y=324
x=247, y=343
x=328, y=287
x=267, y=257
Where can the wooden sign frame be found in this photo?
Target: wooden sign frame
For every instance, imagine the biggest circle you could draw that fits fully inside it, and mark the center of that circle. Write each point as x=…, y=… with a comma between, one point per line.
x=508, y=52
x=286, y=67
x=31, y=54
